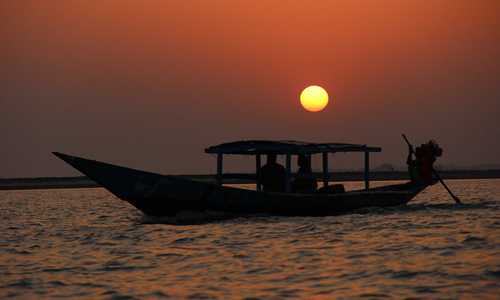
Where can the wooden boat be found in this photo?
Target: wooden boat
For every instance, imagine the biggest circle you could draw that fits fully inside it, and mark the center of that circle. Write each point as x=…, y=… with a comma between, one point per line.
x=156, y=194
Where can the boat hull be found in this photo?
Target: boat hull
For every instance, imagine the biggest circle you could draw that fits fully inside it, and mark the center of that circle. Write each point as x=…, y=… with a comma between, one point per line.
x=158, y=195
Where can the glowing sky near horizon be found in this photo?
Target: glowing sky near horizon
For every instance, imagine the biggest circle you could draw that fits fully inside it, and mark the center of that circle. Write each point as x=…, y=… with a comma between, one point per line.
x=150, y=84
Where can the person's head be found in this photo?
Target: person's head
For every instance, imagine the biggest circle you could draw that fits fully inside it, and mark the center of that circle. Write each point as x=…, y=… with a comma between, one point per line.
x=271, y=158
x=429, y=150
x=302, y=161
x=436, y=151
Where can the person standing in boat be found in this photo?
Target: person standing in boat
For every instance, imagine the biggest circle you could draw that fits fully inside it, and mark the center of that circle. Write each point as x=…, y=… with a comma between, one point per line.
x=273, y=175
x=421, y=167
x=304, y=184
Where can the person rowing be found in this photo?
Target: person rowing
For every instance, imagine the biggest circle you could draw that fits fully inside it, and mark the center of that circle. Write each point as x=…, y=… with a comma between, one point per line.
x=421, y=168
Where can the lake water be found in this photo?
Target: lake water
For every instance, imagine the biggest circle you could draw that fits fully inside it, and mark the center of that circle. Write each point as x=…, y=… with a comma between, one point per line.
x=87, y=244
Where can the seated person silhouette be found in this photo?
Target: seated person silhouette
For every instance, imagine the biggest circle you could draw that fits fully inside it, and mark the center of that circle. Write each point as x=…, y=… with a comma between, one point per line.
x=273, y=175
x=304, y=185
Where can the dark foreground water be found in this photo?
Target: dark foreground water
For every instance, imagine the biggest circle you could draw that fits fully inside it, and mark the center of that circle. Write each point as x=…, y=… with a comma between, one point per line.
x=87, y=244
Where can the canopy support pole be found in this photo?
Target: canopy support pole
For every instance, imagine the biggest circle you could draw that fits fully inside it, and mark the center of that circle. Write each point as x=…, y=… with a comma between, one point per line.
x=257, y=168
x=219, y=169
x=367, y=170
x=325, y=169
x=288, y=171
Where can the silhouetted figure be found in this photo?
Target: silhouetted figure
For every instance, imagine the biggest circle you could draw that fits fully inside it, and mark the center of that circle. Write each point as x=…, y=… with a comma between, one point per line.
x=421, y=168
x=273, y=175
x=304, y=184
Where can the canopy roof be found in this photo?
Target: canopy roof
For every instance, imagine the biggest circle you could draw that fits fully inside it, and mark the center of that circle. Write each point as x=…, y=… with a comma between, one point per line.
x=254, y=147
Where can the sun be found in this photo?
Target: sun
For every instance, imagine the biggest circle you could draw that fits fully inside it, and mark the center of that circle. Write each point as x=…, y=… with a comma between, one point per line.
x=314, y=98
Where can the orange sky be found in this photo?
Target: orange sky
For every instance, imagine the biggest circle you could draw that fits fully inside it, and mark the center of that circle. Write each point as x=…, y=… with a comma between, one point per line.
x=150, y=84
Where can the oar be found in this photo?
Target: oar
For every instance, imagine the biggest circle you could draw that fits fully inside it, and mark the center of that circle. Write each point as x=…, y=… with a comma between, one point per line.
x=435, y=173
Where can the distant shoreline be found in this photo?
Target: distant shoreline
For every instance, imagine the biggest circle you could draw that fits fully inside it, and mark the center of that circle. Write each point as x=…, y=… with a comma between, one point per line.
x=85, y=182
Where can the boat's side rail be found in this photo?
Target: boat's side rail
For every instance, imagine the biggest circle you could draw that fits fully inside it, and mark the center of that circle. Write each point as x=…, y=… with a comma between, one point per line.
x=253, y=177
x=311, y=175
x=243, y=176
